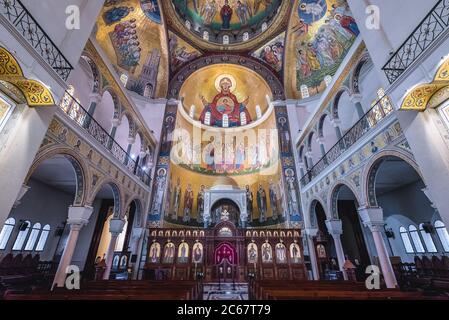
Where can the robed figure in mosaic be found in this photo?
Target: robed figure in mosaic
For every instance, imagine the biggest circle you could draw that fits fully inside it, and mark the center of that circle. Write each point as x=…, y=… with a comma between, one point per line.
x=200, y=202
x=249, y=203
x=188, y=203
x=225, y=103
x=262, y=203
x=176, y=199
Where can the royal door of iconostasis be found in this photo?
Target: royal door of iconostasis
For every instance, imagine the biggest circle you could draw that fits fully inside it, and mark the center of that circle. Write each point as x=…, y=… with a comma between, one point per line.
x=222, y=131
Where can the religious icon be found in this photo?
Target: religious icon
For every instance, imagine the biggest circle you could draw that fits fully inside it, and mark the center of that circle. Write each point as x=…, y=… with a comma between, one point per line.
x=243, y=12
x=226, y=15
x=197, y=254
x=274, y=200
x=209, y=11
x=249, y=203
x=176, y=199
x=116, y=14
x=188, y=203
x=321, y=251
x=295, y=253
x=225, y=104
x=267, y=253
x=160, y=189
x=116, y=262
x=262, y=203
x=169, y=253
x=155, y=252
x=183, y=253
x=151, y=10
x=252, y=253
x=200, y=202
x=124, y=262
x=281, y=253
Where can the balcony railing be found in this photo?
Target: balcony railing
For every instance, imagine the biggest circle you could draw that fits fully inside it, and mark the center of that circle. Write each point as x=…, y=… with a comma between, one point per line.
x=426, y=33
x=78, y=114
x=369, y=121
x=15, y=12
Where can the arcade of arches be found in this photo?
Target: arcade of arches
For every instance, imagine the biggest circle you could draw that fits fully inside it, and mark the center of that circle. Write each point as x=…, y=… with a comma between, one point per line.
x=204, y=143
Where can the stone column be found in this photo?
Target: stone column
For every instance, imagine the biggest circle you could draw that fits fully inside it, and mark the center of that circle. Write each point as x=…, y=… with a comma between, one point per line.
x=21, y=194
x=135, y=243
x=336, y=123
x=335, y=228
x=115, y=124
x=115, y=228
x=95, y=100
x=320, y=141
x=309, y=158
x=131, y=141
x=310, y=234
x=78, y=217
x=373, y=219
x=356, y=99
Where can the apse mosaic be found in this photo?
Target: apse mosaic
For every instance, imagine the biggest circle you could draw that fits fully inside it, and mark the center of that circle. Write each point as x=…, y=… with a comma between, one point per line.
x=132, y=35
x=272, y=53
x=220, y=17
x=181, y=52
x=321, y=34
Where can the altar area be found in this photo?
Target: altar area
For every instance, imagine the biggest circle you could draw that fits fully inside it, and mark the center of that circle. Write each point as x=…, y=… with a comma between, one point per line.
x=225, y=253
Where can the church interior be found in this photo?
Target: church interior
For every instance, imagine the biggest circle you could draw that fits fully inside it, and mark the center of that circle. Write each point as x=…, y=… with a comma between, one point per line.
x=224, y=150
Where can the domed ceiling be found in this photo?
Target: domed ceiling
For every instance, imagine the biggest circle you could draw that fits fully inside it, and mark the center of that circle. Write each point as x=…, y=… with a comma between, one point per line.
x=231, y=24
x=302, y=42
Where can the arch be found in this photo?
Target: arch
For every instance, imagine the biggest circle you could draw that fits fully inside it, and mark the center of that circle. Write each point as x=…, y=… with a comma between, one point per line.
x=333, y=197
x=236, y=203
x=138, y=214
x=336, y=101
x=123, y=133
x=327, y=132
x=116, y=193
x=372, y=168
x=355, y=75
x=97, y=83
x=35, y=93
x=78, y=165
x=116, y=101
x=312, y=213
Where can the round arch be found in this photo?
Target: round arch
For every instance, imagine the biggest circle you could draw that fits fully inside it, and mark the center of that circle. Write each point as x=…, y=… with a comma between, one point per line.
x=97, y=83
x=115, y=99
x=333, y=197
x=313, y=220
x=116, y=192
x=138, y=214
x=80, y=168
x=372, y=168
x=355, y=75
x=336, y=101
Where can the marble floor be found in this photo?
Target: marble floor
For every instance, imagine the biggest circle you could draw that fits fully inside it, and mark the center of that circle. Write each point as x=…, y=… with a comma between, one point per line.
x=227, y=291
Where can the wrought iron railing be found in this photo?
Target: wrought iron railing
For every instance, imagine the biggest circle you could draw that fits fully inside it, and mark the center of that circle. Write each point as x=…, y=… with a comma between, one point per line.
x=24, y=23
x=77, y=113
x=426, y=33
x=370, y=120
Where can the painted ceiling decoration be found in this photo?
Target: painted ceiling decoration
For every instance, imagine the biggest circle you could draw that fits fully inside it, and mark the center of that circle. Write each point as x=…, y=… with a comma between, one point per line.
x=302, y=42
x=321, y=32
x=133, y=36
x=181, y=52
x=235, y=25
x=11, y=74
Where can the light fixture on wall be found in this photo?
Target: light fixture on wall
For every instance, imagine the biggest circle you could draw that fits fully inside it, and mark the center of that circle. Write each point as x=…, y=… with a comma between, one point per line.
x=389, y=233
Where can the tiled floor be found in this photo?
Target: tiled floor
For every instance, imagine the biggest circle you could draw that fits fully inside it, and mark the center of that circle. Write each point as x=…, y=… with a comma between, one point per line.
x=212, y=291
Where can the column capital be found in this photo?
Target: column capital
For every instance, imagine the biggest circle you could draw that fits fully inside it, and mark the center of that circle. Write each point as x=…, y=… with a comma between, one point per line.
x=335, y=122
x=372, y=217
x=311, y=232
x=116, y=122
x=131, y=140
x=320, y=140
x=95, y=97
x=356, y=98
x=334, y=227
x=79, y=216
x=116, y=226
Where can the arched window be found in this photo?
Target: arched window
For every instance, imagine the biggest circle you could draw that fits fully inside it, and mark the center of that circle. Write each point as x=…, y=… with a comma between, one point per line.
x=43, y=238
x=6, y=232
x=21, y=237
x=416, y=239
x=442, y=234
x=33, y=237
x=406, y=240
x=430, y=245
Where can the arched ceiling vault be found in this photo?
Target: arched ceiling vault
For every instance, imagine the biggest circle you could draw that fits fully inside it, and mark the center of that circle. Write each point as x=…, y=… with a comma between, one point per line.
x=302, y=42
